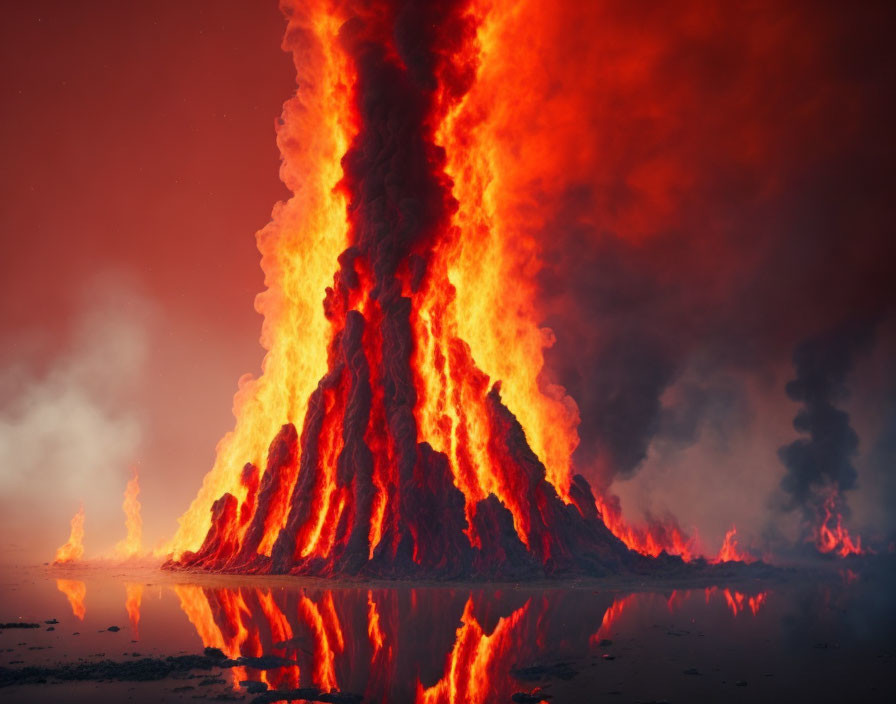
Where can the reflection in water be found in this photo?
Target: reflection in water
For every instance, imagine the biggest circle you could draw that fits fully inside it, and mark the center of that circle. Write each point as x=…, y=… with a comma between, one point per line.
x=132, y=604
x=430, y=646
x=738, y=601
x=76, y=592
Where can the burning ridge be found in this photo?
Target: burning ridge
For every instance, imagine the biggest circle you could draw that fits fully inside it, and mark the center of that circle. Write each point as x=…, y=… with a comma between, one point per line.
x=407, y=462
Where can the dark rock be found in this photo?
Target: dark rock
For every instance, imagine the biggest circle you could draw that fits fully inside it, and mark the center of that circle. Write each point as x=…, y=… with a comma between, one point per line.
x=691, y=671
x=51, y=622
x=527, y=698
x=740, y=683
x=253, y=687
x=208, y=681
x=114, y=629
x=605, y=642
x=18, y=624
x=215, y=654
x=607, y=656
x=51, y=628
x=311, y=694
x=537, y=673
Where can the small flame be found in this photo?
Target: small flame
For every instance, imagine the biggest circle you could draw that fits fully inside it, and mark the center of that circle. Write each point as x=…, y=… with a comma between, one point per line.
x=73, y=550
x=830, y=534
x=730, y=552
x=75, y=592
x=132, y=545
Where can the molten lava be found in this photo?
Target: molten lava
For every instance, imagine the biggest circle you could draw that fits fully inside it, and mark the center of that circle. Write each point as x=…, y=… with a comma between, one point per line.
x=132, y=545
x=404, y=458
x=73, y=550
x=75, y=592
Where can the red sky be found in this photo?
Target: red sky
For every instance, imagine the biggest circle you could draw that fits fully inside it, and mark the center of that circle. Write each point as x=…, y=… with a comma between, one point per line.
x=139, y=159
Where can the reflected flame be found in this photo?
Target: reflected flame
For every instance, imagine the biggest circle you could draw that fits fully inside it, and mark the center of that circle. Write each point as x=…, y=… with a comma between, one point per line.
x=611, y=616
x=134, y=596
x=73, y=550
x=736, y=601
x=477, y=662
x=75, y=592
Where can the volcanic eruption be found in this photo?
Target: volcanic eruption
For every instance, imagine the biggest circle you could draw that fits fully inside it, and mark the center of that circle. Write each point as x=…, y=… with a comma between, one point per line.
x=407, y=458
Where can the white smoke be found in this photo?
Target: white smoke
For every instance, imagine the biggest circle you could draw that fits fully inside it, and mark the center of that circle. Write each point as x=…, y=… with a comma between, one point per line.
x=69, y=428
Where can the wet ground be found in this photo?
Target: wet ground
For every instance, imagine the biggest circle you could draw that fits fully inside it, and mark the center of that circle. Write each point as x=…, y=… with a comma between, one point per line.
x=129, y=633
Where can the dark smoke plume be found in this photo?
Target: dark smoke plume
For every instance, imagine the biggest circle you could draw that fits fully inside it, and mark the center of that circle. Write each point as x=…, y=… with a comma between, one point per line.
x=823, y=459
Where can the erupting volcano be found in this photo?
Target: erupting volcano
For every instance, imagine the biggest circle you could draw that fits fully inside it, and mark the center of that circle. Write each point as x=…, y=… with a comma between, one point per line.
x=398, y=428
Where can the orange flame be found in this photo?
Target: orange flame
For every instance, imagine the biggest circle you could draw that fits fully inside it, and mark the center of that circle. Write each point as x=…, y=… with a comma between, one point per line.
x=730, y=552
x=298, y=249
x=75, y=592
x=651, y=539
x=132, y=545
x=830, y=534
x=73, y=550
x=132, y=604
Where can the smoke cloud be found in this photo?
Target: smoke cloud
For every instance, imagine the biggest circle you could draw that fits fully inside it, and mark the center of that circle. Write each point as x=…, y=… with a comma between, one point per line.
x=69, y=429
x=720, y=195
x=824, y=459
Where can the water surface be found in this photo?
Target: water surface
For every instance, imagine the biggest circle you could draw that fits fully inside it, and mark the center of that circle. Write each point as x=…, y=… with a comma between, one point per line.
x=828, y=638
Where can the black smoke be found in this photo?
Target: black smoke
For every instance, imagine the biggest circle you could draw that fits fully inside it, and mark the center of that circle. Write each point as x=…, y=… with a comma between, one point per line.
x=822, y=460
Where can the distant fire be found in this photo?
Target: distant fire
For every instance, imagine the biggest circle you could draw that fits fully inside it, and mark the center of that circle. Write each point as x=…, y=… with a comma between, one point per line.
x=73, y=550
x=730, y=551
x=132, y=545
x=830, y=535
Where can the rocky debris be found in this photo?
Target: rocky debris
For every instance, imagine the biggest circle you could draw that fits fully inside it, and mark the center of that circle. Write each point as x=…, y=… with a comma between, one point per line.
x=143, y=670
x=691, y=671
x=51, y=622
x=529, y=698
x=740, y=683
x=18, y=624
x=538, y=673
x=311, y=694
x=113, y=629
x=605, y=642
x=607, y=656
x=51, y=628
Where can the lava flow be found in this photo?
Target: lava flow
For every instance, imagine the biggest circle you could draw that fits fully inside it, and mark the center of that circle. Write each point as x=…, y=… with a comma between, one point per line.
x=405, y=459
x=73, y=550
